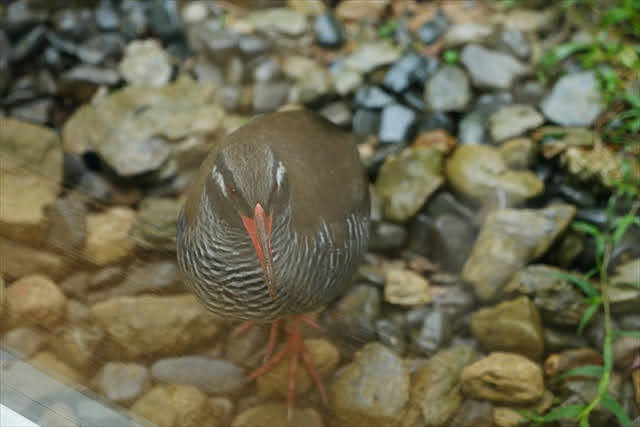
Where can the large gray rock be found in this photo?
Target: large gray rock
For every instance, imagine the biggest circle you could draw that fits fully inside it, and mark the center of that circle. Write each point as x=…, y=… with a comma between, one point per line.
x=154, y=325
x=448, y=90
x=136, y=130
x=490, y=68
x=406, y=181
x=372, y=390
x=508, y=240
x=206, y=373
x=580, y=92
x=30, y=175
x=480, y=172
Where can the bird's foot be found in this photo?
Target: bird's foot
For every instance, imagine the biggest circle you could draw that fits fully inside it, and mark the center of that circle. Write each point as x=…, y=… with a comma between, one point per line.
x=294, y=349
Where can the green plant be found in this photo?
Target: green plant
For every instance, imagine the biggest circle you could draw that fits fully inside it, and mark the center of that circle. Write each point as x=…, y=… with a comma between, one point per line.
x=450, y=56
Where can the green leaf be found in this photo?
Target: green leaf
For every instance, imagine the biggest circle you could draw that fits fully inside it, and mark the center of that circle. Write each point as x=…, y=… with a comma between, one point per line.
x=635, y=334
x=387, y=29
x=586, y=317
x=450, y=56
x=583, y=284
x=585, y=227
x=563, y=412
x=594, y=371
x=622, y=227
x=616, y=409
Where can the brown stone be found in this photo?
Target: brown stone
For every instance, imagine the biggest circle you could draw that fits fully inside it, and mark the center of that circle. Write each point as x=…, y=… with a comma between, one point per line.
x=173, y=406
x=108, y=235
x=34, y=300
x=275, y=414
x=49, y=363
x=19, y=260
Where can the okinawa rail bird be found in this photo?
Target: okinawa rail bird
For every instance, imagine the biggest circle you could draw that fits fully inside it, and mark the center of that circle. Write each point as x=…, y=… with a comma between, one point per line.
x=274, y=225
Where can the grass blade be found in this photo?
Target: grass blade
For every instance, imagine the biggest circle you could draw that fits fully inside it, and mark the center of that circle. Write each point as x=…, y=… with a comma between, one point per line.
x=563, y=412
x=583, y=284
x=594, y=371
x=616, y=409
x=586, y=317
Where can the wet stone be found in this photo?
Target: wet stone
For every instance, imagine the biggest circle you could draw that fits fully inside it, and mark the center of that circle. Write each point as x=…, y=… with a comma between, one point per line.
x=145, y=63
x=433, y=333
x=396, y=123
x=431, y=30
x=580, y=90
x=34, y=300
x=276, y=414
x=448, y=90
x=354, y=316
x=508, y=240
x=511, y=326
x=366, y=122
x=503, y=377
x=513, y=121
x=122, y=382
x=406, y=288
x=398, y=77
x=558, y=300
x=327, y=30
x=173, y=405
x=207, y=374
x=376, y=375
x=489, y=68
x=391, y=335
x=407, y=180
x=387, y=236
x=372, y=97
x=435, y=387
x=28, y=44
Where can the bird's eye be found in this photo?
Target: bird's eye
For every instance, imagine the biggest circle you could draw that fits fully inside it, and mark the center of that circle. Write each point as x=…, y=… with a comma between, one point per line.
x=233, y=192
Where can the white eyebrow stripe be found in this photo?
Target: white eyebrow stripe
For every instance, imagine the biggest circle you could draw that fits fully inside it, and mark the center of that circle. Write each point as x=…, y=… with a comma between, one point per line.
x=280, y=171
x=219, y=179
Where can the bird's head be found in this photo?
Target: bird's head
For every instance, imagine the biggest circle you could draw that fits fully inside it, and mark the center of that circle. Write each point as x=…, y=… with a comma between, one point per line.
x=249, y=185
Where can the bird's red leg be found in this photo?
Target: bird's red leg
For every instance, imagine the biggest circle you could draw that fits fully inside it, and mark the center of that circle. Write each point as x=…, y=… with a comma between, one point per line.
x=244, y=327
x=296, y=352
x=273, y=339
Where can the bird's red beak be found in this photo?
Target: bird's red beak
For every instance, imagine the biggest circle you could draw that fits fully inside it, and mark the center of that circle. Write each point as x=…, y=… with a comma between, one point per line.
x=259, y=229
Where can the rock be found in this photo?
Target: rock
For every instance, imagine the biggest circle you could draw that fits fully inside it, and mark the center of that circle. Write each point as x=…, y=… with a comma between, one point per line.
x=376, y=375
x=5, y=61
x=467, y=32
x=2, y=291
x=339, y=113
x=356, y=10
x=328, y=31
x=136, y=129
x=25, y=341
x=19, y=261
x=47, y=362
x=435, y=388
x=391, y=334
x=366, y=122
x=516, y=41
x=432, y=29
x=399, y=76
x=519, y=153
x=406, y=288
x=35, y=111
x=479, y=172
x=559, y=301
x=513, y=121
x=439, y=139
x=448, y=90
x=34, y=301
x=30, y=175
x=372, y=97
x=77, y=312
x=511, y=326
x=396, y=123
x=155, y=223
x=325, y=357
x=173, y=406
x=67, y=225
x=346, y=80
x=490, y=68
x=154, y=325
x=82, y=80
x=312, y=80
x=246, y=349
x=529, y=20
x=269, y=96
x=471, y=129
x=386, y=236
x=354, y=316
x=581, y=91
x=207, y=374
x=276, y=414
x=556, y=139
x=407, y=180
x=508, y=240
x=108, y=235
x=503, y=377
x=122, y=382
x=433, y=333
x=285, y=21
x=370, y=56
x=473, y=413
x=145, y=63
x=600, y=165
x=77, y=345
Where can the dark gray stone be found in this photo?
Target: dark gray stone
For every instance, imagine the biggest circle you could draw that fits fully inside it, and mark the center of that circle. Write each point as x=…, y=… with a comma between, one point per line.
x=372, y=97
x=433, y=333
x=366, y=122
x=164, y=19
x=398, y=77
x=327, y=30
x=387, y=236
x=436, y=120
x=29, y=43
x=391, y=335
x=431, y=30
x=353, y=318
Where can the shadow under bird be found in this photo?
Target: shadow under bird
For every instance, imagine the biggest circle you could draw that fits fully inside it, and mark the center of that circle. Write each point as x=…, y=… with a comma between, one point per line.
x=274, y=226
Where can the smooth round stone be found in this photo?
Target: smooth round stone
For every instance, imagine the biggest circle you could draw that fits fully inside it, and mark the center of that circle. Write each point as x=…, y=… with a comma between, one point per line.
x=433, y=333
x=490, y=68
x=580, y=90
x=396, y=123
x=269, y=96
x=208, y=374
x=391, y=335
x=513, y=121
x=164, y=18
x=448, y=90
x=34, y=300
x=366, y=122
x=252, y=45
x=122, y=382
x=406, y=288
x=372, y=97
x=387, y=236
x=431, y=30
x=398, y=77
x=327, y=30
x=516, y=41
x=106, y=16
x=354, y=316
x=145, y=63
x=277, y=414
